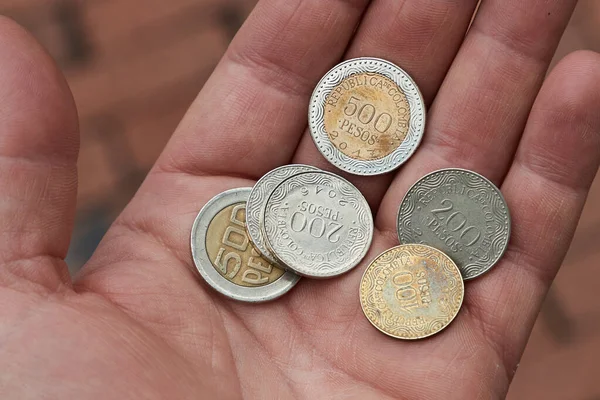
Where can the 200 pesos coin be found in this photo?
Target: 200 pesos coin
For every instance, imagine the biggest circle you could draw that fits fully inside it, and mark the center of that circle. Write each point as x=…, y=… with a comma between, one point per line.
x=411, y=291
x=367, y=116
x=225, y=257
x=318, y=224
x=259, y=195
x=459, y=212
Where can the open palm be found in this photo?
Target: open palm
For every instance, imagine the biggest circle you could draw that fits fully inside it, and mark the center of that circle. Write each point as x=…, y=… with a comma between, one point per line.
x=138, y=322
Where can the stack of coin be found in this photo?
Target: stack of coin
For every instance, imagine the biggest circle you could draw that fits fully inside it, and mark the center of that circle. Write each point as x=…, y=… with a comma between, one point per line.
x=367, y=117
x=252, y=244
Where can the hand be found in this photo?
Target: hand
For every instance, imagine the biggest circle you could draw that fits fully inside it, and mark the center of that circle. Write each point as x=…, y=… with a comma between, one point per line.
x=138, y=322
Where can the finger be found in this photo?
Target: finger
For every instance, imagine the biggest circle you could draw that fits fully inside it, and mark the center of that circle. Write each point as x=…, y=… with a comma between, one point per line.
x=545, y=188
x=481, y=109
x=422, y=38
x=38, y=157
x=249, y=116
x=247, y=119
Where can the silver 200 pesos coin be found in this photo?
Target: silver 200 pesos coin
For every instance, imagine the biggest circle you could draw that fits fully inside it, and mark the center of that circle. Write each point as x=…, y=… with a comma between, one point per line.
x=367, y=116
x=460, y=213
x=318, y=224
x=225, y=257
x=259, y=195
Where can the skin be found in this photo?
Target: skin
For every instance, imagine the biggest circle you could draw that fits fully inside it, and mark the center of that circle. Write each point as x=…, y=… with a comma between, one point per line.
x=138, y=323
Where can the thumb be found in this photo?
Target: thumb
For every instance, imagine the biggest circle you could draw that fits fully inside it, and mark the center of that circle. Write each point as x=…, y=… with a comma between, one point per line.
x=39, y=143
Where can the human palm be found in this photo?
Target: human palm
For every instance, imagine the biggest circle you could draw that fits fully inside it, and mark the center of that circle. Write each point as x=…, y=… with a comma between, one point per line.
x=138, y=322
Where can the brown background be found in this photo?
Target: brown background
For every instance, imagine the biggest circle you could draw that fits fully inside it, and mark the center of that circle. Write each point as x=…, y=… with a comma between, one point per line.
x=135, y=65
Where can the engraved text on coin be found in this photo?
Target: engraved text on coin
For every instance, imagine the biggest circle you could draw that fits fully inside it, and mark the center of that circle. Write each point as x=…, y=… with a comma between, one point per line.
x=231, y=252
x=367, y=116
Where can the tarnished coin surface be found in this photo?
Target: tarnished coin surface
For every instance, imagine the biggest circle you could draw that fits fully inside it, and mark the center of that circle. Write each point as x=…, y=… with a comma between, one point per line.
x=318, y=224
x=225, y=257
x=258, y=197
x=459, y=212
x=367, y=116
x=411, y=291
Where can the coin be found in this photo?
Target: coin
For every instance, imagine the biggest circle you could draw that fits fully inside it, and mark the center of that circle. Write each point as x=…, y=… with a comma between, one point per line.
x=225, y=257
x=318, y=224
x=367, y=116
x=411, y=291
x=459, y=212
x=259, y=195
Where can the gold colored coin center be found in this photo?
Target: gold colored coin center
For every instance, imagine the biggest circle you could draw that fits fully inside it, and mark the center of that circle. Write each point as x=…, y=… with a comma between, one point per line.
x=367, y=116
x=231, y=252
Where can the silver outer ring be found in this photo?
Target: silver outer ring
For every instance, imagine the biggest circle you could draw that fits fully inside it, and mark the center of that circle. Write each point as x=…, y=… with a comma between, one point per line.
x=302, y=270
x=211, y=275
x=258, y=196
x=334, y=77
x=492, y=185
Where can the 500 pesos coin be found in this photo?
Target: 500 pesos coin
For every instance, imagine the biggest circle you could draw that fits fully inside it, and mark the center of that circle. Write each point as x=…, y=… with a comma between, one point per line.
x=318, y=224
x=411, y=291
x=225, y=257
x=367, y=116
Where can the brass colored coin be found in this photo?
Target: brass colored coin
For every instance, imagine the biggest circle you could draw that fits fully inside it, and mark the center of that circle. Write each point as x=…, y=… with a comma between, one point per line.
x=411, y=291
x=367, y=116
x=231, y=253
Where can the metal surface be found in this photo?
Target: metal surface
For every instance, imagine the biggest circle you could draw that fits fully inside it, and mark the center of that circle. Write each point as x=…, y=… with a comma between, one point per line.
x=225, y=257
x=411, y=291
x=367, y=116
x=459, y=212
x=258, y=197
x=318, y=224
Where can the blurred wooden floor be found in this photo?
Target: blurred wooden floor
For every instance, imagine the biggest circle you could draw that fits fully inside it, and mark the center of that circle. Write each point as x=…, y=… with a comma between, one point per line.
x=135, y=65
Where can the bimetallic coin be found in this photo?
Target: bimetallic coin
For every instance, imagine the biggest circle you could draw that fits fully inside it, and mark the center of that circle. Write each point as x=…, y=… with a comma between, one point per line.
x=259, y=195
x=411, y=291
x=367, y=116
x=225, y=257
x=459, y=212
x=318, y=224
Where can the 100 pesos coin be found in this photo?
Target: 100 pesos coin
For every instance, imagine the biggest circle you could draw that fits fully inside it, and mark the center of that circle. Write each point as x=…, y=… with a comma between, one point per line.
x=411, y=291
x=225, y=257
x=367, y=116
